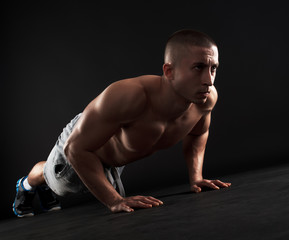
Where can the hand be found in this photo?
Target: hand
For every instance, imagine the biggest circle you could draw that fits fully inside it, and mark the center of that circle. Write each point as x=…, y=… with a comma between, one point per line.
x=214, y=184
x=128, y=204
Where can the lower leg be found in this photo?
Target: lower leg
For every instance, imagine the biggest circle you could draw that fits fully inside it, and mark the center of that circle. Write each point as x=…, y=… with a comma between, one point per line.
x=36, y=177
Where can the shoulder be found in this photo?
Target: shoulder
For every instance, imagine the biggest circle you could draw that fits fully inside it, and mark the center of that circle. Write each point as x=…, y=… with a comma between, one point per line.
x=212, y=100
x=122, y=100
x=124, y=90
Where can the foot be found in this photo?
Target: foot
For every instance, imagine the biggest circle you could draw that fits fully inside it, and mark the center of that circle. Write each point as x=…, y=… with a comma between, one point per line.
x=22, y=206
x=47, y=199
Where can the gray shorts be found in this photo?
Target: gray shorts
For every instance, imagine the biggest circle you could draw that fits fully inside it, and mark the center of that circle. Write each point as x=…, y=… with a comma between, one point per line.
x=61, y=177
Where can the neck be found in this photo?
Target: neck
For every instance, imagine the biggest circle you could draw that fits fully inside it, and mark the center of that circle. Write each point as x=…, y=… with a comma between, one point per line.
x=172, y=105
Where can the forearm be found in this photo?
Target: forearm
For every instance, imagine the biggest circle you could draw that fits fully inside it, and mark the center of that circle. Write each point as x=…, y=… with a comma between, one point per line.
x=194, y=151
x=90, y=170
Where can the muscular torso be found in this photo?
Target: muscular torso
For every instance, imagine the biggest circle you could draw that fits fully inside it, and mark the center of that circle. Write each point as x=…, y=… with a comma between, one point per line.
x=150, y=132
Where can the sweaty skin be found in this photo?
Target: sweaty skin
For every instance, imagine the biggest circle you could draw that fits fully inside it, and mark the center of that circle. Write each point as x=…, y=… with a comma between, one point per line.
x=135, y=117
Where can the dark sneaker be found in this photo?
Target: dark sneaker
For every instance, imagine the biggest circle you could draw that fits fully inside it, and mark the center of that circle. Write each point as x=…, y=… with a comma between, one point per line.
x=22, y=206
x=47, y=199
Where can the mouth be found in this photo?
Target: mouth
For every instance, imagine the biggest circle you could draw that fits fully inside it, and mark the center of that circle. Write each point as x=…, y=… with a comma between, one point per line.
x=204, y=94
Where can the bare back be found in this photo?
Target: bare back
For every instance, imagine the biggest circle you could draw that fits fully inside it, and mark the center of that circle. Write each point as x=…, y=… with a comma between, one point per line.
x=139, y=121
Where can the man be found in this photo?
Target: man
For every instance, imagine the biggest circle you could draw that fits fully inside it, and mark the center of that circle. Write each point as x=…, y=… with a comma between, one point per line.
x=129, y=120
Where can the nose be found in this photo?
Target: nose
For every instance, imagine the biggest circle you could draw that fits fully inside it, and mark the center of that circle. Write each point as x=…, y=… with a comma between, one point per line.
x=208, y=79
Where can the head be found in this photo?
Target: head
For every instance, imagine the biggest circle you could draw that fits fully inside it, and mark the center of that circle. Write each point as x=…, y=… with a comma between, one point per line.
x=190, y=64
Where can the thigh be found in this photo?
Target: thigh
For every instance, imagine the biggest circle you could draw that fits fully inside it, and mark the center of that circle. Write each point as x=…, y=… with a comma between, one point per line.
x=60, y=176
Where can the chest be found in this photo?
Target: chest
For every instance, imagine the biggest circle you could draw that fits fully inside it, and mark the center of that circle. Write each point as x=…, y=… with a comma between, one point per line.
x=150, y=133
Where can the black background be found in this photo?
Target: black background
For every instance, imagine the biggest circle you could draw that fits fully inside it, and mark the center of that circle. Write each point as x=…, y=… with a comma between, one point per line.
x=58, y=56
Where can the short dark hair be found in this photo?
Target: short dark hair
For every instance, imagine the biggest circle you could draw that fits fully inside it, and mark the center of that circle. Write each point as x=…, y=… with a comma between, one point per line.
x=183, y=39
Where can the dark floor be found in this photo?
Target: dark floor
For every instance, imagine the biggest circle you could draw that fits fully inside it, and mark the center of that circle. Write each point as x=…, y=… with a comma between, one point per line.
x=255, y=207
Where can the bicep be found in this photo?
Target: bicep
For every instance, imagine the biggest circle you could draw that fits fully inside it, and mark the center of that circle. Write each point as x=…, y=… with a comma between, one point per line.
x=202, y=125
x=92, y=131
x=196, y=140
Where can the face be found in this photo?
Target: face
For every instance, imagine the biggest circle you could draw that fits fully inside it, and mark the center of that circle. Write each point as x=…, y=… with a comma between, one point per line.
x=194, y=75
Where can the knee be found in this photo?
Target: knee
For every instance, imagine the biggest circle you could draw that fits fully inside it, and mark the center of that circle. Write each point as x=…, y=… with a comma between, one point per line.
x=35, y=176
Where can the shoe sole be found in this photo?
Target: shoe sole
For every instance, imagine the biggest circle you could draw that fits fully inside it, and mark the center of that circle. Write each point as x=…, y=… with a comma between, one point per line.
x=13, y=206
x=54, y=209
x=23, y=215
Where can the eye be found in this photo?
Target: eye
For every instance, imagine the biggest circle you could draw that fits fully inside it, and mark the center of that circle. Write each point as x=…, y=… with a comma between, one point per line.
x=214, y=69
x=198, y=67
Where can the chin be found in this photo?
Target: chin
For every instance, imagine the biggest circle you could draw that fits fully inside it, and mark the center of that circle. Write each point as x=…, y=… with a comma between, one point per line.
x=199, y=101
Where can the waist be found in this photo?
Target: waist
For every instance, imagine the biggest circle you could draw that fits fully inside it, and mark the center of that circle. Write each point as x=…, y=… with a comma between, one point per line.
x=117, y=155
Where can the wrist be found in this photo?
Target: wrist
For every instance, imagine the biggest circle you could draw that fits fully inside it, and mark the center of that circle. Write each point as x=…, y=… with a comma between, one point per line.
x=110, y=204
x=196, y=178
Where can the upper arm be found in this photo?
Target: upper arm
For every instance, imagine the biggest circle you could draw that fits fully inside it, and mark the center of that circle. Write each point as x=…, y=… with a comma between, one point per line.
x=202, y=126
x=197, y=138
x=120, y=103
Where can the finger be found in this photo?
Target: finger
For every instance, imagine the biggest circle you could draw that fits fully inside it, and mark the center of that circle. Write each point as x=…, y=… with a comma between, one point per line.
x=210, y=184
x=196, y=189
x=155, y=200
x=227, y=184
x=220, y=184
x=153, y=203
x=138, y=204
x=126, y=208
x=121, y=208
x=148, y=200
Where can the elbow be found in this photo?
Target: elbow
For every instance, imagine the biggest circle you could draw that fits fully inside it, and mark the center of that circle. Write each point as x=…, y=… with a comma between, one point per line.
x=66, y=149
x=73, y=152
x=68, y=152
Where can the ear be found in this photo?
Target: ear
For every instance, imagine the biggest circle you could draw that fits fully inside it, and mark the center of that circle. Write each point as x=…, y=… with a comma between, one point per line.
x=168, y=71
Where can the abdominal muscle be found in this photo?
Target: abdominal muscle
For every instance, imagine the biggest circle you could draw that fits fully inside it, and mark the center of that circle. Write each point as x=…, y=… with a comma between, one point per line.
x=115, y=154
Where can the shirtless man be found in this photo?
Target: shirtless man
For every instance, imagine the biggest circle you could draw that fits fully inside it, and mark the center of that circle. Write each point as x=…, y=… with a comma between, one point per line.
x=132, y=119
